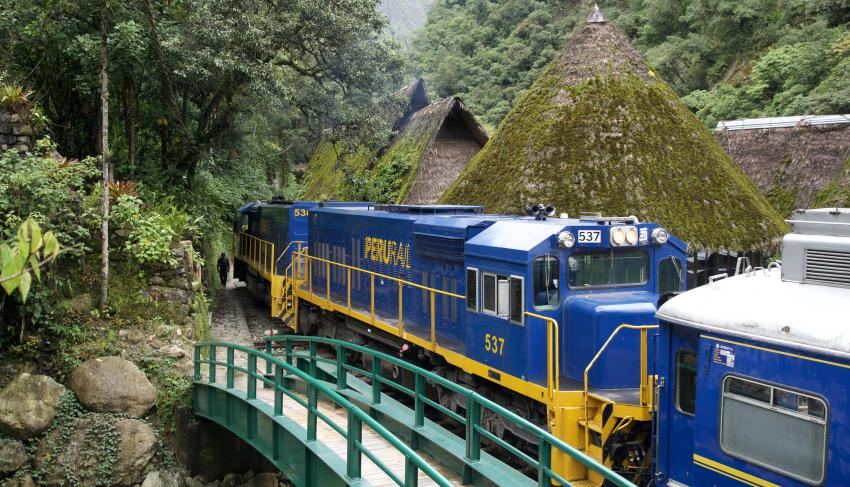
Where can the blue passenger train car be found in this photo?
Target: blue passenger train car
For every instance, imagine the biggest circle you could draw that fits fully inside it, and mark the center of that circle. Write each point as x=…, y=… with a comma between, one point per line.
x=756, y=369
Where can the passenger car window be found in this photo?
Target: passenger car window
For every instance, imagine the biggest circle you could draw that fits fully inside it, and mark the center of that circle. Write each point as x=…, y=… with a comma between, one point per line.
x=686, y=381
x=669, y=275
x=757, y=420
x=607, y=269
x=544, y=275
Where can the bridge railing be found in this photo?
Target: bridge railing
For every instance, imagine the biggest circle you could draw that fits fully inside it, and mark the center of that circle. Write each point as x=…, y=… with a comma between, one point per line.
x=471, y=420
x=207, y=354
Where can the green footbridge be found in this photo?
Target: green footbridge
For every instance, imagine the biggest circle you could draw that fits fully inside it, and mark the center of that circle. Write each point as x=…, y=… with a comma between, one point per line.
x=335, y=421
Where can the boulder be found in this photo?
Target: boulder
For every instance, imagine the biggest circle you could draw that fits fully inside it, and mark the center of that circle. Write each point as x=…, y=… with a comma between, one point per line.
x=28, y=405
x=136, y=443
x=25, y=480
x=75, y=453
x=266, y=479
x=161, y=479
x=82, y=304
x=13, y=456
x=160, y=293
x=172, y=351
x=230, y=480
x=113, y=384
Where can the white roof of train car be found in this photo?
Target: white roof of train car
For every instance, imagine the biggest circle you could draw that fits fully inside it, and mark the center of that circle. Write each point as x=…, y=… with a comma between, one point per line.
x=761, y=306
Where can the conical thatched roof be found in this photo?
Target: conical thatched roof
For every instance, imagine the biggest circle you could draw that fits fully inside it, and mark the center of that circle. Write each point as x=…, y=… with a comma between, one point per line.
x=598, y=131
x=431, y=147
x=797, y=162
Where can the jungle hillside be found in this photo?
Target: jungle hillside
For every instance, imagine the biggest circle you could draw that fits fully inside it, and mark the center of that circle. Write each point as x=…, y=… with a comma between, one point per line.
x=728, y=59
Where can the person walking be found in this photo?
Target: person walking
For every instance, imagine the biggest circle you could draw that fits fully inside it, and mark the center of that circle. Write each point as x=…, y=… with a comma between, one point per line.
x=223, y=269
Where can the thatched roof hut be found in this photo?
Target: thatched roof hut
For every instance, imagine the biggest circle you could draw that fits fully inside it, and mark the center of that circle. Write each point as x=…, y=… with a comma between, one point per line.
x=797, y=162
x=431, y=145
x=599, y=131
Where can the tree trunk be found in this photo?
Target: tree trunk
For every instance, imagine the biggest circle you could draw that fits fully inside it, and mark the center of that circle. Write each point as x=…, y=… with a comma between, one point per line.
x=130, y=127
x=104, y=157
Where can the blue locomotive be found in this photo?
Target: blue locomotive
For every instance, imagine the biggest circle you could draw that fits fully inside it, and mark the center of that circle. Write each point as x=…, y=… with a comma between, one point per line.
x=525, y=310
x=756, y=369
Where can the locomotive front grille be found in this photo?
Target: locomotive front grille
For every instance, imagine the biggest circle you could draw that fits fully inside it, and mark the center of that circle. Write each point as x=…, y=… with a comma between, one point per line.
x=831, y=267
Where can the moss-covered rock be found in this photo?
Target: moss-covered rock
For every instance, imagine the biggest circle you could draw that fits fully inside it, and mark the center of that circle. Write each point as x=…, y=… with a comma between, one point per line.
x=600, y=132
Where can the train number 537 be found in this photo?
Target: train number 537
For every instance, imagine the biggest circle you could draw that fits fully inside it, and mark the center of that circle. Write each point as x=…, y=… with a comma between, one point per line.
x=494, y=344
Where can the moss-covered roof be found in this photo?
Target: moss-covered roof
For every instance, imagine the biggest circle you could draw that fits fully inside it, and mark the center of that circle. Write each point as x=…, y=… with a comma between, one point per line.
x=793, y=166
x=386, y=175
x=598, y=131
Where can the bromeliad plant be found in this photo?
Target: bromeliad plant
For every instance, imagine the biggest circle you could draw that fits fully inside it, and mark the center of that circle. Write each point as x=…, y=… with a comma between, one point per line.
x=25, y=256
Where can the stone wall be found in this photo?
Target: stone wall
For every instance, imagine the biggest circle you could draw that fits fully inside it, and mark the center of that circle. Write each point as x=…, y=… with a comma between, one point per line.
x=16, y=132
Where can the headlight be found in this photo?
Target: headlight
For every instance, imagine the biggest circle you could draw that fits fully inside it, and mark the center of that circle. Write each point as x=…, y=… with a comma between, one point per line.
x=566, y=240
x=660, y=236
x=631, y=235
x=618, y=236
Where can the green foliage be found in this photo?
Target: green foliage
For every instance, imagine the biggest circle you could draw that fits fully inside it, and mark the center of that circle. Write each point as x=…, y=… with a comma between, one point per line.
x=14, y=97
x=22, y=259
x=100, y=441
x=251, y=80
x=50, y=191
x=729, y=58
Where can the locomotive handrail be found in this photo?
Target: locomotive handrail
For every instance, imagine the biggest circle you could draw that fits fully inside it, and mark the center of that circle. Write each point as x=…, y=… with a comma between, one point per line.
x=259, y=253
x=644, y=377
x=384, y=276
x=553, y=373
x=309, y=259
x=299, y=242
x=356, y=416
x=475, y=403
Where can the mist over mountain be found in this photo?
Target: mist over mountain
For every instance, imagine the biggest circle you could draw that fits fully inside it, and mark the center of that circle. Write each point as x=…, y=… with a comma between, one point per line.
x=405, y=15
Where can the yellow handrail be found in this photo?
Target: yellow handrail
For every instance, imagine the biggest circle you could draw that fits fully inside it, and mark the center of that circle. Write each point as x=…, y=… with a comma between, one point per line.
x=299, y=242
x=553, y=373
x=383, y=276
x=552, y=332
x=259, y=253
x=644, y=377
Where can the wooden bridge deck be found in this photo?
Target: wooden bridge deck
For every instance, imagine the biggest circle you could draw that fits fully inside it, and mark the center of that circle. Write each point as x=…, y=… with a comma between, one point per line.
x=371, y=474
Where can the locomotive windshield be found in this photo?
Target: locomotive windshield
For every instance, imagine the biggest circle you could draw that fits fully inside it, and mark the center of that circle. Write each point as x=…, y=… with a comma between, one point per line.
x=608, y=269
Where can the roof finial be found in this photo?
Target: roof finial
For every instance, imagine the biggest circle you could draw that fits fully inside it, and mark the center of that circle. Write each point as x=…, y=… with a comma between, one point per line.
x=597, y=16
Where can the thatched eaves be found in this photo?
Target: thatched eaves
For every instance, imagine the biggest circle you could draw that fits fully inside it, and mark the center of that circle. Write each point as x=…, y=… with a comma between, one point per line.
x=438, y=142
x=598, y=131
x=431, y=147
x=797, y=162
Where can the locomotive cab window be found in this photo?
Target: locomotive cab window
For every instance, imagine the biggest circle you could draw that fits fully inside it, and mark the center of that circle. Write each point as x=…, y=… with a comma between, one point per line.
x=613, y=268
x=544, y=275
x=669, y=275
x=502, y=296
x=686, y=381
x=757, y=420
x=472, y=289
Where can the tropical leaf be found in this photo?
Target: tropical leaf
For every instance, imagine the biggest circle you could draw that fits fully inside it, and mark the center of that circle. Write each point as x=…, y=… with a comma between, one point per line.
x=24, y=285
